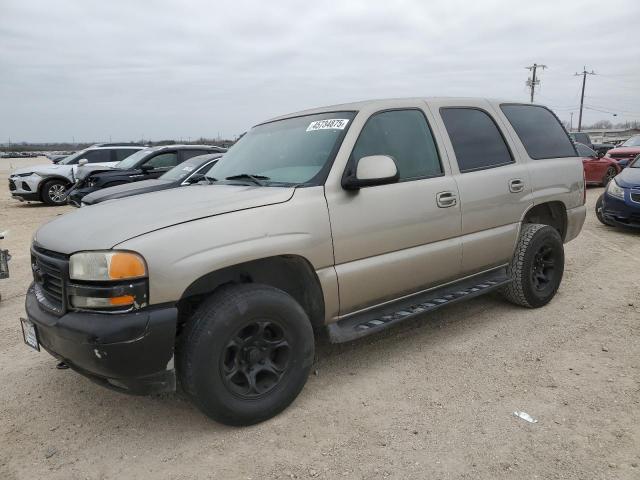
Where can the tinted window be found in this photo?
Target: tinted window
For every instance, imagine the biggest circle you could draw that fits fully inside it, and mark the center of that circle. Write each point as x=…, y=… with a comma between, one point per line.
x=186, y=154
x=475, y=138
x=164, y=160
x=97, y=156
x=123, y=153
x=540, y=131
x=584, y=151
x=403, y=135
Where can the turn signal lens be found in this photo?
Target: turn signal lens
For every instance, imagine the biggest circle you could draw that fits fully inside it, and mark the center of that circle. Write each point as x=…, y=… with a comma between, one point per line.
x=126, y=265
x=121, y=301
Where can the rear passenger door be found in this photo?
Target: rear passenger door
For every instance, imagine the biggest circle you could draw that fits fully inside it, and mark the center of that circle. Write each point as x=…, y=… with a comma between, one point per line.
x=392, y=240
x=495, y=189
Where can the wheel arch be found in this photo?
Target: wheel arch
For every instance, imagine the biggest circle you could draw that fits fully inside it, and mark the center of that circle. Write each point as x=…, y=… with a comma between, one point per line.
x=553, y=213
x=46, y=180
x=292, y=274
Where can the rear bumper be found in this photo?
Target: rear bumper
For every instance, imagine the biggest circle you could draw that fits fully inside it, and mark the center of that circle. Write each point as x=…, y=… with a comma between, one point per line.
x=575, y=221
x=130, y=352
x=621, y=213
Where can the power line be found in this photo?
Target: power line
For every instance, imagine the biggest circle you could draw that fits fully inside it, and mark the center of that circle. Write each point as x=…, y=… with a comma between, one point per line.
x=584, y=74
x=533, y=81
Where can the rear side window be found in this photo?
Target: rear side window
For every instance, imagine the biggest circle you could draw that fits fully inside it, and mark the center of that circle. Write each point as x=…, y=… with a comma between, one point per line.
x=405, y=136
x=476, y=140
x=187, y=154
x=123, y=153
x=584, y=151
x=97, y=156
x=540, y=131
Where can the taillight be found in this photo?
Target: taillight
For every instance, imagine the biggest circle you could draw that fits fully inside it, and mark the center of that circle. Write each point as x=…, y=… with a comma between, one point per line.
x=584, y=188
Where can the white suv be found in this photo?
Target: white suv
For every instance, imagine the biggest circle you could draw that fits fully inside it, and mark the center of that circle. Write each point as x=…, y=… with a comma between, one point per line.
x=49, y=183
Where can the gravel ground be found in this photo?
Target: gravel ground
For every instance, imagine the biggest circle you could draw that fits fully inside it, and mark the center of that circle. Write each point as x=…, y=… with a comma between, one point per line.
x=431, y=399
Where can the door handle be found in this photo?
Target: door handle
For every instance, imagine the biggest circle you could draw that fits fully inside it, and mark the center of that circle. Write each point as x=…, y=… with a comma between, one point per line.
x=446, y=199
x=516, y=185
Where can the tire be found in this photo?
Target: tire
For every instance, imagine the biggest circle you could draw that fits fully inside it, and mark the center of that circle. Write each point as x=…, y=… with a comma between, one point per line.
x=245, y=332
x=54, y=192
x=599, y=214
x=608, y=176
x=536, y=268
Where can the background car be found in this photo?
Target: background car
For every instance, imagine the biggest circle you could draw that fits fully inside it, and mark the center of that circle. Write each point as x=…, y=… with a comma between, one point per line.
x=187, y=173
x=49, y=183
x=619, y=205
x=626, y=152
x=144, y=165
x=598, y=170
x=583, y=138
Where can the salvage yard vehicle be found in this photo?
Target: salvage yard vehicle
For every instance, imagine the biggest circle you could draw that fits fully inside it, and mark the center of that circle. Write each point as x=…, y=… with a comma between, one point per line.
x=626, y=152
x=4, y=262
x=189, y=172
x=598, y=170
x=49, y=183
x=619, y=205
x=348, y=219
x=146, y=164
x=584, y=139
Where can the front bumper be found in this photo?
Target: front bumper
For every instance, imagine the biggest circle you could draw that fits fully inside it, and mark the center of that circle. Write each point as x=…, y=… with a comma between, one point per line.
x=25, y=188
x=621, y=213
x=75, y=195
x=130, y=352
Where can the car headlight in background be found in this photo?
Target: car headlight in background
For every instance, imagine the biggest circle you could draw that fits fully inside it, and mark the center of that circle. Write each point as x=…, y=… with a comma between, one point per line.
x=118, y=280
x=615, y=190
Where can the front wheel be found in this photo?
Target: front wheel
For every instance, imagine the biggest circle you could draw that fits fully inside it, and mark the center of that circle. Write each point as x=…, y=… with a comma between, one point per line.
x=608, y=176
x=537, y=266
x=599, y=208
x=245, y=354
x=54, y=192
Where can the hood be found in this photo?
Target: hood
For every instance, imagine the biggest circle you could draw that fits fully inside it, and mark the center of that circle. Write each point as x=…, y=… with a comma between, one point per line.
x=126, y=190
x=44, y=170
x=629, y=178
x=107, y=224
x=625, y=151
x=86, y=170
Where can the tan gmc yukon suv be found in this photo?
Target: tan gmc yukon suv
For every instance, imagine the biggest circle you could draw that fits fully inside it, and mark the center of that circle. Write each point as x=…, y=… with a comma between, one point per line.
x=349, y=218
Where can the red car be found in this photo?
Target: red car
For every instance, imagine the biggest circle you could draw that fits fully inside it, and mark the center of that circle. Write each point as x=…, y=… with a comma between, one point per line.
x=625, y=152
x=598, y=170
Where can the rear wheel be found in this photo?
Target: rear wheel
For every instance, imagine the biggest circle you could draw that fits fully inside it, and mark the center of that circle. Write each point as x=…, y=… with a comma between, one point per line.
x=246, y=353
x=54, y=192
x=609, y=174
x=537, y=266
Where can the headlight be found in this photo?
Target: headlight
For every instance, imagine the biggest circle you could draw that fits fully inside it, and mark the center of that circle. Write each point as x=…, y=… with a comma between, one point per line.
x=615, y=190
x=25, y=174
x=119, y=281
x=106, y=266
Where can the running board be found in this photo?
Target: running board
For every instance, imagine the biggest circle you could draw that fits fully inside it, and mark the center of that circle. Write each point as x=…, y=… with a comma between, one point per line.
x=372, y=321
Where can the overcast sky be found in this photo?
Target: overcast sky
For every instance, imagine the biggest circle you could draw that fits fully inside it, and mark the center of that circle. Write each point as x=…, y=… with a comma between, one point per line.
x=94, y=70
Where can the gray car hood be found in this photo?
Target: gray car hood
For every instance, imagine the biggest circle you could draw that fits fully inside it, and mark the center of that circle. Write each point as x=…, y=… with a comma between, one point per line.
x=105, y=225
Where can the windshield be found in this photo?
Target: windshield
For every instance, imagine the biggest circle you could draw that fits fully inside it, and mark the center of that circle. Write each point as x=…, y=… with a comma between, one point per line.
x=70, y=159
x=290, y=151
x=632, y=142
x=132, y=160
x=181, y=171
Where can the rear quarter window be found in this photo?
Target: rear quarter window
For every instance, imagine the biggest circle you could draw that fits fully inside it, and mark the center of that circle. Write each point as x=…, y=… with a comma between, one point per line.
x=539, y=131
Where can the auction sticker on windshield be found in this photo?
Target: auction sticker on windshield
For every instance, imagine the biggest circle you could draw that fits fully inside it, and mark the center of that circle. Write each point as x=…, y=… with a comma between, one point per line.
x=328, y=124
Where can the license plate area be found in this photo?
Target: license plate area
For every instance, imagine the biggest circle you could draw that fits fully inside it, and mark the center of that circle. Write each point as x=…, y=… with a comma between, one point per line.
x=30, y=334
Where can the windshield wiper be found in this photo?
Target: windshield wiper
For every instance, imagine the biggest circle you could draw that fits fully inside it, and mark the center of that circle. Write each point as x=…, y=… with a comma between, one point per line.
x=257, y=179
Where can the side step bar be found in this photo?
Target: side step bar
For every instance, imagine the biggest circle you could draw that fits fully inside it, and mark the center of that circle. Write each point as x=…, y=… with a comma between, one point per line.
x=372, y=321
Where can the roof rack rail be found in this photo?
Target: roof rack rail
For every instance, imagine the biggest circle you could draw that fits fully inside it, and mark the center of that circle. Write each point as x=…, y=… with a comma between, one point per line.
x=119, y=144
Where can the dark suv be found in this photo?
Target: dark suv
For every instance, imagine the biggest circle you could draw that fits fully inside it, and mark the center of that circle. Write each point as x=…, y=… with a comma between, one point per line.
x=146, y=164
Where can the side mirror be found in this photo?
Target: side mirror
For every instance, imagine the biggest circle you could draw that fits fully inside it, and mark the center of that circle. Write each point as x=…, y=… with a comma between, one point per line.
x=82, y=161
x=600, y=154
x=370, y=171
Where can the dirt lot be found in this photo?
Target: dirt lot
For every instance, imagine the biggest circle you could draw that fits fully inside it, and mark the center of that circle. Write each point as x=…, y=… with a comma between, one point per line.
x=433, y=399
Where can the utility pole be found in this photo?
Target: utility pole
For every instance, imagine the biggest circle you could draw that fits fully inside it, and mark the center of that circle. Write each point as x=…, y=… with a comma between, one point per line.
x=571, y=121
x=584, y=74
x=533, y=81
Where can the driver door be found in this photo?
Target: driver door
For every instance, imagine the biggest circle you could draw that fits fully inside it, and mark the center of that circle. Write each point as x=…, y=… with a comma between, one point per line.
x=395, y=239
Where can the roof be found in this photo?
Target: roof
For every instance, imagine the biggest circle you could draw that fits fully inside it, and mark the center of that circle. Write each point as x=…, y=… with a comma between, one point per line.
x=389, y=103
